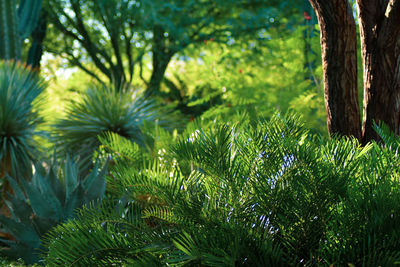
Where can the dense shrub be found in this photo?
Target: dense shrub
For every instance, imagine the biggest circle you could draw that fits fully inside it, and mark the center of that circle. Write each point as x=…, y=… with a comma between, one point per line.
x=258, y=193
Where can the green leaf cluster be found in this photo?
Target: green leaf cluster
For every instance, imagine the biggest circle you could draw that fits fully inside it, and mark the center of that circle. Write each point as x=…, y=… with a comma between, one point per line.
x=101, y=110
x=50, y=198
x=257, y=75
x=258, y=193
x=19, y=90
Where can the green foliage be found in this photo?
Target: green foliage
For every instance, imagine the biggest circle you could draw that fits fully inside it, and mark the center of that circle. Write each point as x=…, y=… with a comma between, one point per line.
x=387, y=136
x=259, y=75
x=101, y=110
x=50, y=198
x=19, y=89
x=15, y=25
x=115, y=36
x=260, y=193
x=121, y=238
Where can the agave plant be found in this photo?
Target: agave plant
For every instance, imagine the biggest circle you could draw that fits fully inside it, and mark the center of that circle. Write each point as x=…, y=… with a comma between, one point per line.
x=45, y=201
x=267, y=194
x=101, y=110
x=19, y=88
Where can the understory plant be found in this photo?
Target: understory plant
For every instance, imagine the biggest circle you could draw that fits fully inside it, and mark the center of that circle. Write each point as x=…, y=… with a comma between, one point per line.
x=19, y=90
x=254, y=193
x=100, y=110
x=51, y=197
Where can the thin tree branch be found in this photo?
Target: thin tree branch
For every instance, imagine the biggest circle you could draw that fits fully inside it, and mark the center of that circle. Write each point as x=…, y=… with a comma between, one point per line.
x=113, y=33
x=90, y=46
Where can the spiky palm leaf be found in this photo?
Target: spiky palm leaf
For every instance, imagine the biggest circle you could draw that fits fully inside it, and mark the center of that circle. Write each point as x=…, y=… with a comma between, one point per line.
x=364, y=229
x=387, y=136
x=19, y=88
x=101, y=110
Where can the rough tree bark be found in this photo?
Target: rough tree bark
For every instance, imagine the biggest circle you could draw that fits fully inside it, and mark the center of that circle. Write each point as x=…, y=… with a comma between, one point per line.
x=380, y=45
x=380, y=42
x=339, y=60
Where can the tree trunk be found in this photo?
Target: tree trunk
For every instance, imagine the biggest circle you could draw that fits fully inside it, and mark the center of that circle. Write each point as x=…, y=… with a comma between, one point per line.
x=159, y=67
x=162, y=55
x=380, y=44
x=339, y=61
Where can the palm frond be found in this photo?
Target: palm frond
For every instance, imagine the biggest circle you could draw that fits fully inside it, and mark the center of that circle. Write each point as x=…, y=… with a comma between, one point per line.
x=388, y=137
x=103, y=110
x=265, y=193
x=112, y=235
x=19, y=89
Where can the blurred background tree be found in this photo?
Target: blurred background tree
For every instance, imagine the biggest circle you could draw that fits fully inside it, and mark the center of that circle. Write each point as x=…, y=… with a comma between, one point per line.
x=222, y=57
x=115, y=36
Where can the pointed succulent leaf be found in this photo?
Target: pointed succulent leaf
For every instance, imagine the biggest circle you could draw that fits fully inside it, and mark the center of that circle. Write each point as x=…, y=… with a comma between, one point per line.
x=91, y=177
x=43, y=225
x=20, y=210
x=7, y=241
x=56, y=185
x=17, y=190
x=29, y=254
x=70, y=177
x=38, y=202
x=95, y=184
x=40, y=169
x=48, y=194
x=22, y=232
x=74, y=200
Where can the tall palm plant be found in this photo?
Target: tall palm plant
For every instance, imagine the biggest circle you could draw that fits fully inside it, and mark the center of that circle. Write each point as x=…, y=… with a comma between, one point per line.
x=19, y=89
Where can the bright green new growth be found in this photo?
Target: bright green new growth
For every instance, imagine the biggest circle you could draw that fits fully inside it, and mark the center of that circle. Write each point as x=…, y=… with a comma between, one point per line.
x=47, y=200
x=15, y=25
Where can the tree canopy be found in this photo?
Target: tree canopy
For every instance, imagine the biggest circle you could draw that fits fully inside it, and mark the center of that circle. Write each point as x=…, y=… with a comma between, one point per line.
x=114, y=36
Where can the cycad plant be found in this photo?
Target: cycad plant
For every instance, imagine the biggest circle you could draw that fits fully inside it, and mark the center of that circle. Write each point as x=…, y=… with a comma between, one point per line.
x=51, y=197
x=264, y=193
x=19, y=88
x=101, y=110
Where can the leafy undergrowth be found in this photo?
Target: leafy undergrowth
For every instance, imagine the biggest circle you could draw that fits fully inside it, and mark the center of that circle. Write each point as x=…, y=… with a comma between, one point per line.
x=12, y=263
x=254, y=193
